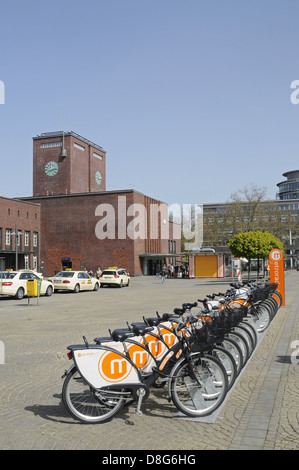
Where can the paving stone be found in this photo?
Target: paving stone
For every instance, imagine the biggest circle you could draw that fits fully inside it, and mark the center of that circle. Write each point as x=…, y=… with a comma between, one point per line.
x=260, y=413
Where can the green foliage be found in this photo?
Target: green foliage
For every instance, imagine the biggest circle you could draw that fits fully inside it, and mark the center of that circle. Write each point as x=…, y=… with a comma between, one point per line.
x=253, y=244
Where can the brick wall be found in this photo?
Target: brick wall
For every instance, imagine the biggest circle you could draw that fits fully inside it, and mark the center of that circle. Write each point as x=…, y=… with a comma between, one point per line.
x=72, y=225
x=76, y=171
x=24, y=217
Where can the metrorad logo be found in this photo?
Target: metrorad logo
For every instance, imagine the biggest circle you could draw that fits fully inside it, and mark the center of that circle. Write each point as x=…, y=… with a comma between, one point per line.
x=2, y=92
x=114, y=367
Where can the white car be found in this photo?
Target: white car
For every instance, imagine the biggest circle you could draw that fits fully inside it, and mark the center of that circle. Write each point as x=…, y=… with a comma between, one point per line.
x=75, y=281
x=14, y=283
x=115, y=276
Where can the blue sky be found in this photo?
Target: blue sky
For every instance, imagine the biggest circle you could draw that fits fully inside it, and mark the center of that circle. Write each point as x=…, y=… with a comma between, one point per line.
x=189, y=98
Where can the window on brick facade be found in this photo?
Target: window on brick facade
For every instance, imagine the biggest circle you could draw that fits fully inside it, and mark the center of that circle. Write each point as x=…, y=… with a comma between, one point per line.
x=51, y=145
x=34, y=262
x=35, y=238
x=26, y=261
x=80, y=147
x=18, y=236
x=8, y=236
x=26, y=238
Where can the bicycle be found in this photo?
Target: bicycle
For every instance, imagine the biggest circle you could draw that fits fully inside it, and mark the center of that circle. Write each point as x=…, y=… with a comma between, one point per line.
x=167, y=330
x=102, y=379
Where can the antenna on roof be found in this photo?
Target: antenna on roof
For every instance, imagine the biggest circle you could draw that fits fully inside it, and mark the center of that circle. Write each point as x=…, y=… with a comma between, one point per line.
x=63, y=153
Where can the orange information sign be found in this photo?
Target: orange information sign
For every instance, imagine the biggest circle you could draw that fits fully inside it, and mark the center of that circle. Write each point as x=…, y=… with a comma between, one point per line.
x=276, y=270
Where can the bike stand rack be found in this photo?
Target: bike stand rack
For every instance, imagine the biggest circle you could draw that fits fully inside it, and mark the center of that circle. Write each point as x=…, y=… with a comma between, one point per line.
x=213, y=416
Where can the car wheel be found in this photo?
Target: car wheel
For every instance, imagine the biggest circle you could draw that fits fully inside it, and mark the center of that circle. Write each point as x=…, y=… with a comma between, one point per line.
x=128, y=283
x=77, y=289
x=49, y=291
x=120, y=284
x=20, y=293
x=96, y=286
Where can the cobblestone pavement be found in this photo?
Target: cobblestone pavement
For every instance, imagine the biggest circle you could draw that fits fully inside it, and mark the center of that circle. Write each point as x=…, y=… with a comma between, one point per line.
x=261, y=412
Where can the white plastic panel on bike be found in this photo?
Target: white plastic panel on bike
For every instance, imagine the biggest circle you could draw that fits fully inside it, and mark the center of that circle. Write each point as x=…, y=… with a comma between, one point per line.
x=138, y=354
x=169, y=337
x=242, y=293
x=103, y=367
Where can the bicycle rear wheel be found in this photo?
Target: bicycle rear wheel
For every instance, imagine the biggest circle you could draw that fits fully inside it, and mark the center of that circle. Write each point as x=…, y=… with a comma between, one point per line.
x=261, y=316
x=198, y=386
x=277, y=297
x=247, y=336
x=88, y=405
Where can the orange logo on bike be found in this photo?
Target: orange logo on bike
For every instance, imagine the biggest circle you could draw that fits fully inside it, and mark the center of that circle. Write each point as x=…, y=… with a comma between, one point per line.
x=139, y=356
x=168, y=337
x=154, y=345
x=113, y=367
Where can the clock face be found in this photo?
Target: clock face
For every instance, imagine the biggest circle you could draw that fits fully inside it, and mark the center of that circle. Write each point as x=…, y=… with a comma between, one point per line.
x=98, y=177
x=51, y=168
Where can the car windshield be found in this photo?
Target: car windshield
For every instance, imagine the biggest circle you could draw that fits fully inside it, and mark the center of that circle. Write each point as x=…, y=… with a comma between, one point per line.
x=64, y=274
x=112, y=273
x=7, y=275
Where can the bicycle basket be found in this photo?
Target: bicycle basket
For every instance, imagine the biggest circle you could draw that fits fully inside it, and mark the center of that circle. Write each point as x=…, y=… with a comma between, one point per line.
x=202, y=339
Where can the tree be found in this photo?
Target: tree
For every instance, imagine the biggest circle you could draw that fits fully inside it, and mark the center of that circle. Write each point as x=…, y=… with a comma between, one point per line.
x=253, y=245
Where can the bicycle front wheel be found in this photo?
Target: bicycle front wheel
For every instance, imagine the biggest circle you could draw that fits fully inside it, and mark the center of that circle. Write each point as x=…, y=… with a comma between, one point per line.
x=229, y=363
x=198, y=386
x=86, y=404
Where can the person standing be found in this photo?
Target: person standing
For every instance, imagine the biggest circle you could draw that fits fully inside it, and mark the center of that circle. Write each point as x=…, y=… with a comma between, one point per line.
x=163, y=273
x=98, y=273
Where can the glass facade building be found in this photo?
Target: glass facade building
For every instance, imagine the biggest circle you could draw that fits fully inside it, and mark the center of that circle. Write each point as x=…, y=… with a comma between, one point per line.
x=289, y=189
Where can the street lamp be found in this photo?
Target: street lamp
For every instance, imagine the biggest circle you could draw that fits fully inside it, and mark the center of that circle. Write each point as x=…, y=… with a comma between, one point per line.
x=16, y=233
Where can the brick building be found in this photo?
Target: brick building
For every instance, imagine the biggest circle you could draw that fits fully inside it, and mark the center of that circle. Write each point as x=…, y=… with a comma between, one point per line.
x=85, y=226
x=19, y=234
x=66, y=163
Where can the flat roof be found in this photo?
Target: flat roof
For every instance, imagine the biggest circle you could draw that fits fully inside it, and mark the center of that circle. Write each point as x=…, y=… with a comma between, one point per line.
x=50, y=135
x=90, y=194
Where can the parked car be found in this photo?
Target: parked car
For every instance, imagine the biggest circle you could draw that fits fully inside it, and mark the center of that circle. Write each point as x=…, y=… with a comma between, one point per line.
x=74, y=280
x=14, y=283
x=115, y=276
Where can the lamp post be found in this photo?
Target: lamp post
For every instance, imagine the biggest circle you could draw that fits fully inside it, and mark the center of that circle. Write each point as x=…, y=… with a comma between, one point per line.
x=16, y=233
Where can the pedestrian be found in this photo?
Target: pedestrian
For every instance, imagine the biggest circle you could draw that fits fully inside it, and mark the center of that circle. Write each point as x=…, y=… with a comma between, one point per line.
x=171, y=269
x=163, y=273
x=157, y=270
x=98, y=273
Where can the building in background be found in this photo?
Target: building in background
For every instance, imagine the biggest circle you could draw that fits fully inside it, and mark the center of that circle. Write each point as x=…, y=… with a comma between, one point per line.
x=19, y=234
x=66, y=163
x=289, y=189
x=85, y=226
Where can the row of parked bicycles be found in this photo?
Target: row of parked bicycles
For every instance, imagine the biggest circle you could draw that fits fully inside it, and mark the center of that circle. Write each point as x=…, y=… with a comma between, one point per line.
x=198, y=350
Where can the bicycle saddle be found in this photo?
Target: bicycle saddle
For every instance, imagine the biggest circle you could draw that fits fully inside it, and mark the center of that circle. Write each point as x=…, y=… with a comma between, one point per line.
x=189, y=305
x=171, y=316
x=103, y=340
x=141, y=328
x=122, y=334
x=153, y=321
x=178, y=311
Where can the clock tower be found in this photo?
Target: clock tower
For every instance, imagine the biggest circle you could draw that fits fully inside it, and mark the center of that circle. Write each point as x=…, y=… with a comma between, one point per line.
x=66, y=163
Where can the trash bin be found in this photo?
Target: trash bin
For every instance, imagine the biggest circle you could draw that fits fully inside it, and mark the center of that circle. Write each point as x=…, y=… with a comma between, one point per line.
x=32, y=288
